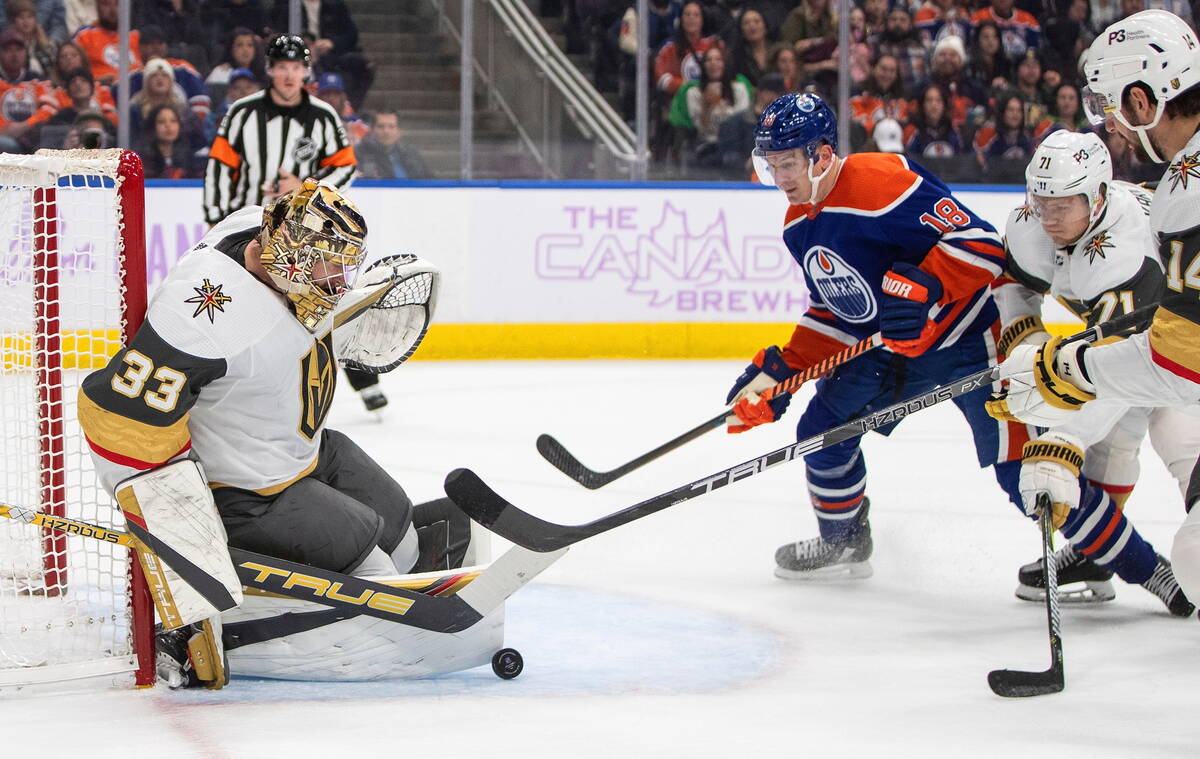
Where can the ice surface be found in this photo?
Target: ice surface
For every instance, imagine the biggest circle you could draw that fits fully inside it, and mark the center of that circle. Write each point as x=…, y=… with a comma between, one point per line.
x=669, y=637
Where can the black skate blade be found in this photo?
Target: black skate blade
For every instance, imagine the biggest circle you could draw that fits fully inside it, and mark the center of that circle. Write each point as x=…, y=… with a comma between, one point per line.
x=1013, y=683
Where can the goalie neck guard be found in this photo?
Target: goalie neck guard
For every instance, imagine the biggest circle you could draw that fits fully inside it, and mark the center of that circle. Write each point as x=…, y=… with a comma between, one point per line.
x=312, y=244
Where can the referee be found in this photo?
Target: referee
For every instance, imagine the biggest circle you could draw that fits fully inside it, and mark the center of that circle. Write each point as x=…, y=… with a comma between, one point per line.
x=272, y=140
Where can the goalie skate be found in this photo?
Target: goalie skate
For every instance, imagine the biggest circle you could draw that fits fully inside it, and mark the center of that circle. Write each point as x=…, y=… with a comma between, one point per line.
x=1080, y=580
x=819, y=559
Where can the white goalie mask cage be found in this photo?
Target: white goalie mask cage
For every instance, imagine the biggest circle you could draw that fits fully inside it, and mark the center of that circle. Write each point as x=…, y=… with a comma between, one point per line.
x=390, y=330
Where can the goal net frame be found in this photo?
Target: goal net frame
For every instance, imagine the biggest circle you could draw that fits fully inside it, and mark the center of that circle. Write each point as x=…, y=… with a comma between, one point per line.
x=41, y=607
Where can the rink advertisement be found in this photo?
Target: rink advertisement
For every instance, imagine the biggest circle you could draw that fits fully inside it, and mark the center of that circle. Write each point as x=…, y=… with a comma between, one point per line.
x=521, y=261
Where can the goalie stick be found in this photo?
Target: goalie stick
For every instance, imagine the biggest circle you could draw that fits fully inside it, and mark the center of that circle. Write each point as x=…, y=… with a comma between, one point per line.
x=491, y=510
x=1013, y=683
x=562, y=459
x=444, y=614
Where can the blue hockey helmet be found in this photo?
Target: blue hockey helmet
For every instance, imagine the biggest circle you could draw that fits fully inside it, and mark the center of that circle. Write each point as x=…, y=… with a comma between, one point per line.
x=795, y=120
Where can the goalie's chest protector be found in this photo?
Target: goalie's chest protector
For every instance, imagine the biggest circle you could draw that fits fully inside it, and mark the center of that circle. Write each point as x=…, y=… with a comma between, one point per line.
x=256, y=423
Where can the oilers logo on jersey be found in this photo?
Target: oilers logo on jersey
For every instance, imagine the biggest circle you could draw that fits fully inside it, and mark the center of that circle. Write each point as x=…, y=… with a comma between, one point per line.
x=842, y=289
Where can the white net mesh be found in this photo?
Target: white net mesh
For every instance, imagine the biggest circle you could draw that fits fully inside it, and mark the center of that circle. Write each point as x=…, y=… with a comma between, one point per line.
x=65, y=609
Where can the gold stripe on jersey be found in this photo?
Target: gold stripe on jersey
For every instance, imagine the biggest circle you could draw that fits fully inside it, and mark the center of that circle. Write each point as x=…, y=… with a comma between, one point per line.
x=124, y=438
x=274, y=489
x=1173, y=344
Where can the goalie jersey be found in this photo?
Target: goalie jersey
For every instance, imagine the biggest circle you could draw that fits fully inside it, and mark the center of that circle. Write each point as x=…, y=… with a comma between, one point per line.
x=220, y=369
x=883, y=209
x=1111, y=270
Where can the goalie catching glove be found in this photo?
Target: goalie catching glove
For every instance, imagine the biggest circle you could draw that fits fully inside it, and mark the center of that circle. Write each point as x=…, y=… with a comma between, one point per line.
x=380, y=323
x=1050, y=464
x=750, y=409
x=1046, y=384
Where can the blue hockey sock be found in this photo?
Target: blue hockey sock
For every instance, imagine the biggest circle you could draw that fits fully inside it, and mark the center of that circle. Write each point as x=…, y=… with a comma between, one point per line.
x=1099, y=530
x=837, y=497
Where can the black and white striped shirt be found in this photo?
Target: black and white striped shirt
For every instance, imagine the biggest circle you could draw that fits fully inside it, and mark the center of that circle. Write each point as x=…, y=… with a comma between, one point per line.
x=257, y=138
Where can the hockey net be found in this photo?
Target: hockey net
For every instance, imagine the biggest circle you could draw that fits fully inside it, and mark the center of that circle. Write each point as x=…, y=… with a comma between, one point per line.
x=72, y=290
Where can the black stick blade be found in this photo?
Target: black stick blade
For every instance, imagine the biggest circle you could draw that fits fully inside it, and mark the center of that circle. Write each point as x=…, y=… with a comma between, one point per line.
x=1013, y=683
x=490, y=509
x=562, y=460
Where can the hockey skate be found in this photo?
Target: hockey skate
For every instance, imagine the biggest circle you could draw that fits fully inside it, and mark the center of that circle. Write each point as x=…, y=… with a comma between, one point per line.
x=818, y=559
x=1163, y=584
x=1080, y=580
x=191, y=656
x=373, y=398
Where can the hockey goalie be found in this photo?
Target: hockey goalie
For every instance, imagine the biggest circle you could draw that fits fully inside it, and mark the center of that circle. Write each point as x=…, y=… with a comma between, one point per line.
x=209, y=428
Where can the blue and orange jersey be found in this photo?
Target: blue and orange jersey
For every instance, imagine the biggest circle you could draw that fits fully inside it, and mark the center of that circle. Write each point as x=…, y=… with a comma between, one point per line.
x=884, y=209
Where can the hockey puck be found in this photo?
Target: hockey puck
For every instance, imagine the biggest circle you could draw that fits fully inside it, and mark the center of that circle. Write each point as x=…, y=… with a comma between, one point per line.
x=507, y=663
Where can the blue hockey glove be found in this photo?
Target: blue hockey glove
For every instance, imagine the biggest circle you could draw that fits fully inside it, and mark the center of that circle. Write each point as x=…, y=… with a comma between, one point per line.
x=908, y=294
x=749, y=410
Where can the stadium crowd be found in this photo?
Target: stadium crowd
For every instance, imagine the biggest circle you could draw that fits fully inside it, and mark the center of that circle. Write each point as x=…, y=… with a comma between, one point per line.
x=967, y=87
x=190, y=60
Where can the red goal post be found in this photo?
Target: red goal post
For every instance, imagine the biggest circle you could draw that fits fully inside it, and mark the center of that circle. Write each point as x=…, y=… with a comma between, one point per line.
x=72, y=291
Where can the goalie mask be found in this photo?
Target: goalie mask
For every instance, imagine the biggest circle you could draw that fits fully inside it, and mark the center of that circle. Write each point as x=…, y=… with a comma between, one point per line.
x=312, y=244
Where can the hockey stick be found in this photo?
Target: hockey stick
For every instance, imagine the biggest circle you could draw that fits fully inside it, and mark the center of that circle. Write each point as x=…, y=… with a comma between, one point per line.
x=491, y=510
x=554, y=452
x=1013, y=683
x=394, y=603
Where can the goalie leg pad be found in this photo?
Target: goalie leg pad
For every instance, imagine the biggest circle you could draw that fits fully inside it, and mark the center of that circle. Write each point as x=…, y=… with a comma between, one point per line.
x=173, y=509
x=443, y=533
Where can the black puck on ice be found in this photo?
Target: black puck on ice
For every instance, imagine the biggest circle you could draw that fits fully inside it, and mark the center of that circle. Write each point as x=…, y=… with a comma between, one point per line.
x=507, y=663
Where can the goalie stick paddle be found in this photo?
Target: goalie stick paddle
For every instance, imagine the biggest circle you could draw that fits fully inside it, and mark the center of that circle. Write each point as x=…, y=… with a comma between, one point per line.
x=1013, y=683
x=562, y=459
x=491, y=510
x=445, y=614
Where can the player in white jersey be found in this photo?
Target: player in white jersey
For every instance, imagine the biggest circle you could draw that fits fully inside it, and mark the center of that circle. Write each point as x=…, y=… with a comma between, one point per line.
x=1144, y=84
x=1086, y=241
x=223, y=392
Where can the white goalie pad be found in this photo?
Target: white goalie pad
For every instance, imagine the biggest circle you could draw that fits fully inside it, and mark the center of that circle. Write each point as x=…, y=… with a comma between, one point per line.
x=188, y=568
x=376, y=333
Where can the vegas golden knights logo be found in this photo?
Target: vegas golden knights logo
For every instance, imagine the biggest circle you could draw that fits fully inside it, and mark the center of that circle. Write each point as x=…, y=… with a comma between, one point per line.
x=318, y=379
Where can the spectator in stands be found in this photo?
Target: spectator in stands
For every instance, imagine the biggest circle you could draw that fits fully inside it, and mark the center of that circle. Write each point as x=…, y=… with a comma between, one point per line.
x=900, y=41
x=332, y=90
x=81, y=94
x=1007, y=138
x=335, y=42
x=1102, y=13
x=40, y=49
x=1019, y=31
x=750, y=54
x=785, y=63
x=715, y=98
x=678, y=60
x=1067, y=34
x=949, y=61
x=14, y=58
x=935, y=19
x=861, y=53
x=888, y=137
x=231, y=14
x=989, y=67
x=180, y=25
x=100, y=43
x=1030, y=89
x=382, y=156
x=735, y=137
x=189, y=85
x=875, y=12
x=811, y=30
x=881, y=97
x=80, y=13
x=931, y=132
x=243, y=53
x=91, y=131
x=165, y=153
x=1068, y=109
x=242, y=82
x=70, y=57
x=50, y=15
x=159, y=89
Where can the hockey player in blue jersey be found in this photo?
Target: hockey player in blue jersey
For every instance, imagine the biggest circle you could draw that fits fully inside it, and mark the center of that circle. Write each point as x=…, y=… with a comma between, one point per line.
x=885, y=247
